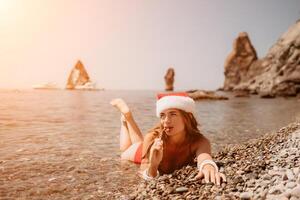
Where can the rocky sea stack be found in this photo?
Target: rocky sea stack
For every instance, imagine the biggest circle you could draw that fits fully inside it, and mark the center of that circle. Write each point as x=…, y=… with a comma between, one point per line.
x=277, y=74
x=264, y=168
x=78, y=76
x=79, y=79
x=169, y=79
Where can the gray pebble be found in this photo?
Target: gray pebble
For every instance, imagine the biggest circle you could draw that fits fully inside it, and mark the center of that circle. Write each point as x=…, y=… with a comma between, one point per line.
x=287, y=193
x=218, y=198
x=181, y=189
x=290, y=174
x=290, y=185
x=296, y=171
x=276, y=189
x=266, y=177
x=296, y=192
x=274, y=173
x=294, y=198
x=296, y=135
x=281, y=198
x=246, y=195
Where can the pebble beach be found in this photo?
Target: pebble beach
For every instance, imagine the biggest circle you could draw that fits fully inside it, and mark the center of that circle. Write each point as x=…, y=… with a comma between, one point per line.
x=263, y=168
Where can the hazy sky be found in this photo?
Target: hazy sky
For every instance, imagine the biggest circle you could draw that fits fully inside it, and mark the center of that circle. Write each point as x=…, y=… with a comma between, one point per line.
x=129, y=44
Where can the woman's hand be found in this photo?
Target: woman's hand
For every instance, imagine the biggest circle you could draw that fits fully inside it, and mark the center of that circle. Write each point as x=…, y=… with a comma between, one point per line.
x=210, y=174
x=156, y=153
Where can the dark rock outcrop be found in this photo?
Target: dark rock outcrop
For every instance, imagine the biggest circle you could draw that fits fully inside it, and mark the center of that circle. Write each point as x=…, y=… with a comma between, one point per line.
x=241, y=93
x=169, y=79
x=277, y=74
x=203, y=94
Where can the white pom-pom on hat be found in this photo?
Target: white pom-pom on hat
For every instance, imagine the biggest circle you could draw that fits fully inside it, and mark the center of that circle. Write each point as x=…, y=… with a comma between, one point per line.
x=175, y=100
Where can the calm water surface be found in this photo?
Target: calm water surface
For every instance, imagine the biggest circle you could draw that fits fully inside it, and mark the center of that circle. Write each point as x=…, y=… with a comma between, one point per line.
x=84, y=121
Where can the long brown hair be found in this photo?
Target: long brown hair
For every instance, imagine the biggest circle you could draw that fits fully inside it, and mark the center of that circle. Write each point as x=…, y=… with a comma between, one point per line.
x=190, y=125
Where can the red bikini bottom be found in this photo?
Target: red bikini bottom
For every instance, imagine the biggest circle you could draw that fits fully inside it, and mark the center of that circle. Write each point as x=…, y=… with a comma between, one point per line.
x=138, y=154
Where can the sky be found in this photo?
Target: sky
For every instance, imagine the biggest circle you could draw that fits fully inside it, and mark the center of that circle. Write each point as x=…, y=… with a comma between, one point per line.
x=130, y=44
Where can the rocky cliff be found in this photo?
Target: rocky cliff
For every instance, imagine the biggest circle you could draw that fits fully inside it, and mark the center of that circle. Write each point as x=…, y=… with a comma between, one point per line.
x=276, y=74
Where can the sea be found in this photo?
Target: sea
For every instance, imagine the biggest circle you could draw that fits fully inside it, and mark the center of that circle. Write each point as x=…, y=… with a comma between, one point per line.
x=38, y=124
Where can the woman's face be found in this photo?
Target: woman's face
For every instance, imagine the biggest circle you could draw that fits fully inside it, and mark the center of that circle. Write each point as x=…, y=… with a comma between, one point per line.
x=172, y=121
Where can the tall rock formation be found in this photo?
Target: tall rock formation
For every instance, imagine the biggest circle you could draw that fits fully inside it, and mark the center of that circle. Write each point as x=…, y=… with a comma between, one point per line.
x=169, y=79
x=79, y=78
x=238, y=61
x=278, y=73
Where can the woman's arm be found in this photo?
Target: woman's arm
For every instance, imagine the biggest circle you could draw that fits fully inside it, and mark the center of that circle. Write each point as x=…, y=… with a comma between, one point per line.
x=147, y=143
x=206, y=166
x=203, y=150
x=152, y=155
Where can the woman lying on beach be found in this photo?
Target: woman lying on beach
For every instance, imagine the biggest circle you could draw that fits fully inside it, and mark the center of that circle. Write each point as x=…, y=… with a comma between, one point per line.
x=175, y=142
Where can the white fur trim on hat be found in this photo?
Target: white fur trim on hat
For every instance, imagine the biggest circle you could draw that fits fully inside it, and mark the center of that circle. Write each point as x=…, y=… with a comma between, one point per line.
x=184, y=103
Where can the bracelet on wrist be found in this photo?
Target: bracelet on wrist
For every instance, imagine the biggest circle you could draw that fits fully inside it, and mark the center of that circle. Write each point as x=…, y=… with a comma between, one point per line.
x=146, y=177
x=206, y=162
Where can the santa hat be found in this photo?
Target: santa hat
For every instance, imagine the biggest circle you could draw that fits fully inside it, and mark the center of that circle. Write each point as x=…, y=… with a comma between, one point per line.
x=174, y=100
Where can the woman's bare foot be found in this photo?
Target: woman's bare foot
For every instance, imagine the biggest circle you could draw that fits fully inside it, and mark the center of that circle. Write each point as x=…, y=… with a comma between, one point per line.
x=120, y=105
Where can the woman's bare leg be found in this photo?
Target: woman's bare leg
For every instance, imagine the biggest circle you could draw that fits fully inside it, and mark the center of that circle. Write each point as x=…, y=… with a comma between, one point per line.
x=129, y=125
x=128, y=149
x=125, y=141
x=133, y=129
